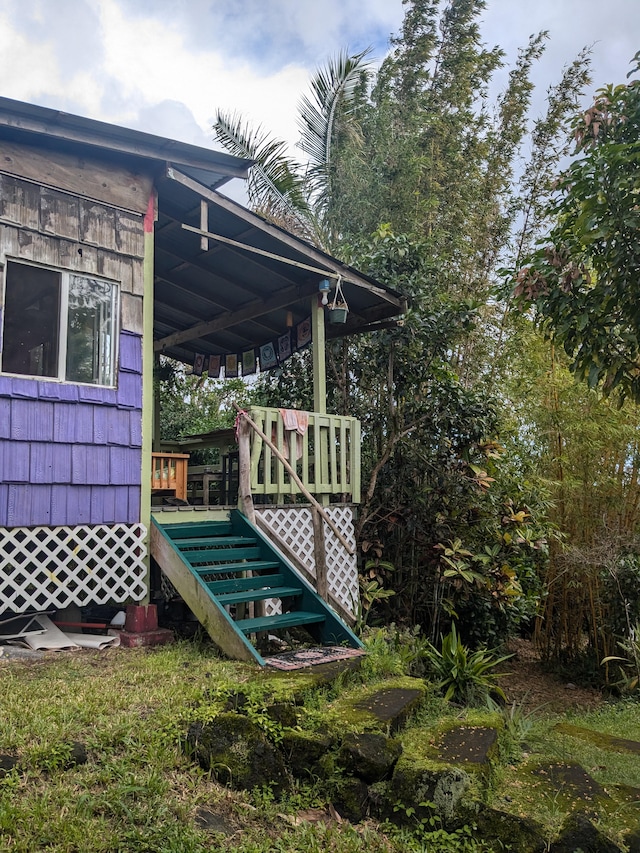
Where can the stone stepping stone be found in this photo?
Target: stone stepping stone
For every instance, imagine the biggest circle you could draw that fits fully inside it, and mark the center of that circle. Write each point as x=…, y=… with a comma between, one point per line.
x=572, y=779
x=467, y=745
x=604, y=741
x=391, y=706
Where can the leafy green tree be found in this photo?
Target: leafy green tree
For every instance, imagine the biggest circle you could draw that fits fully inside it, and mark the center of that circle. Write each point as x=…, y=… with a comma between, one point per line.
x=418, y=187
x=192, y=404
x=294, y=195
x=583, y=277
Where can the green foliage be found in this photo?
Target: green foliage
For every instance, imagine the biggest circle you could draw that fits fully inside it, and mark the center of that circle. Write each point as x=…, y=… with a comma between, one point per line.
x=276, y=185
x=630, y=669
x=196, y=404
x=465, y=677
x=582, y=278
x=294, y=195
x=416, y=178
x=429, y=833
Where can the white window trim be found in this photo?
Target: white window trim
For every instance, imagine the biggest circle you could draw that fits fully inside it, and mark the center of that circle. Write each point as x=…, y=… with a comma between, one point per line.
x=63, y=322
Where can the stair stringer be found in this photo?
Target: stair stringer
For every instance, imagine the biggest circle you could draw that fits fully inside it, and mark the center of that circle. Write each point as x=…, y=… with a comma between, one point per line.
x=212, y=616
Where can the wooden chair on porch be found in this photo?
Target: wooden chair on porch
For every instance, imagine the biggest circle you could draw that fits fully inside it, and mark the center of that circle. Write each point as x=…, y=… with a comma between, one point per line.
x=169, y=474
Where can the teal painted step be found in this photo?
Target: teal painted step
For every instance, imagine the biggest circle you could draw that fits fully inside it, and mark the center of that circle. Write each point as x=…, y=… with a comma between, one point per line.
x=230, y=568
x=281, y=620
x=237, y=584
x=259, y=595
x=218, y=555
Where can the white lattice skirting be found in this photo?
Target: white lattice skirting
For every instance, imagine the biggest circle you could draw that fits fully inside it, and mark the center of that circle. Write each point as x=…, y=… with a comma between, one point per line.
x=293, y=527
x=52, y=567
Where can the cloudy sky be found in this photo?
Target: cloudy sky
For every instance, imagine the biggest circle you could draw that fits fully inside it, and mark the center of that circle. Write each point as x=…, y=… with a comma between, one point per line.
x=166, y=66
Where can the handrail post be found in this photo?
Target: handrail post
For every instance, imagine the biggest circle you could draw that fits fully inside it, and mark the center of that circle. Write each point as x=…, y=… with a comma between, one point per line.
x=320, y=554
x=245, y=498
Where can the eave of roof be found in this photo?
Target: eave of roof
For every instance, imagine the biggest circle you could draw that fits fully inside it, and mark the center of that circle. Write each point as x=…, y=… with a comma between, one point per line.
x=31, y=121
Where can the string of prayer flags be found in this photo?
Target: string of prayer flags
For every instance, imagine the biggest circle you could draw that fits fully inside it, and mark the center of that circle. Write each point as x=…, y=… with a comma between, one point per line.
x=284, y=347
x=248, y=362
x=198, y=364
x=268, y=357
x=303, y=333
x=214, y=366
x=231, y=365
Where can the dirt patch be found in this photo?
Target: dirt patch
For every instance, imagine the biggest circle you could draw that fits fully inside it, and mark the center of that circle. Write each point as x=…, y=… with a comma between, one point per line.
x=526, y=682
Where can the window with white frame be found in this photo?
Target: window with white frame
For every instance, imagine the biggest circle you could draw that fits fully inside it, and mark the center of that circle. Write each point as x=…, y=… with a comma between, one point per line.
x=59, y=324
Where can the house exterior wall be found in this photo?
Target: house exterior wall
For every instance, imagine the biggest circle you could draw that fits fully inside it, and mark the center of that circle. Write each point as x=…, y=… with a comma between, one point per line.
x=71, y=453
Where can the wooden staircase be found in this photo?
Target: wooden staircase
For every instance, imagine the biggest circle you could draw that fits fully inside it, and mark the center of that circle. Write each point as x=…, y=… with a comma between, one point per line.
x=219, y=567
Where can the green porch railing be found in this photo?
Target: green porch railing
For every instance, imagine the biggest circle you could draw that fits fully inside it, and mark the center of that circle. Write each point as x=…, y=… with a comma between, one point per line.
x=326, y=457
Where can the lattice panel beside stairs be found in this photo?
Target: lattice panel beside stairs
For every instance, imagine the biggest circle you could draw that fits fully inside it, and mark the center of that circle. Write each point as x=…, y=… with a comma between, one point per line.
x=292, y=526
x=53, y=567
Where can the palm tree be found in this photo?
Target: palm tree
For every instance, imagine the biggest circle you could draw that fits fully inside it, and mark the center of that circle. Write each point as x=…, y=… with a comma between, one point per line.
x=290, y=193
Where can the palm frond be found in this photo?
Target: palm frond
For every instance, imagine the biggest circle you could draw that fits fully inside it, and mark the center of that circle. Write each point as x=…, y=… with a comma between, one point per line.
x=275, y=185
x=333, y=86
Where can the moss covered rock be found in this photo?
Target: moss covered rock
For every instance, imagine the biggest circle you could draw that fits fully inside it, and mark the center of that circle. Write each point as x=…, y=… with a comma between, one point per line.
x=304, y=752
x=578, y=833
x=508, y=831
x=351, y=798
x=369, y=755
x=236, y=751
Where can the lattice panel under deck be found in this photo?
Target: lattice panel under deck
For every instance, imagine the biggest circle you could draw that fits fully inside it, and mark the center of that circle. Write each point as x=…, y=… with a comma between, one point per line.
x=294, y=528
x=52, y=567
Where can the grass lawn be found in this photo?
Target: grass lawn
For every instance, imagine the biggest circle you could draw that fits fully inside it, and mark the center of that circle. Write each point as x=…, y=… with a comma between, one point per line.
x=137, y=791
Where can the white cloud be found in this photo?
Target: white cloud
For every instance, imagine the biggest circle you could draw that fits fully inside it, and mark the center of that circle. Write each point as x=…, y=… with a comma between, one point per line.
x=166, y=65
x=26, y=69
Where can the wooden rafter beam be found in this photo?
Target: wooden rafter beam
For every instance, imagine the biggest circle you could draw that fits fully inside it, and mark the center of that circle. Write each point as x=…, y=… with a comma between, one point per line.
x=250, y=311
x=311, y=255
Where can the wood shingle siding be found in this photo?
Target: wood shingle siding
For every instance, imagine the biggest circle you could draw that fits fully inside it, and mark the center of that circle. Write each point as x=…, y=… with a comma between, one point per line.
x=72, y=453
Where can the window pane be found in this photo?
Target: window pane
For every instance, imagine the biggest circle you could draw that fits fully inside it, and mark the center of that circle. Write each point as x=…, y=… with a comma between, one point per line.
x=31, y=312
x=90, y=331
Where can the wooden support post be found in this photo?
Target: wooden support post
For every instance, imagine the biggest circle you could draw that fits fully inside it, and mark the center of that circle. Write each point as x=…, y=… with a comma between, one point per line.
x=204, y=224
x=319, y=356
x=320, y=554
x=245, y=499
x=245, y=503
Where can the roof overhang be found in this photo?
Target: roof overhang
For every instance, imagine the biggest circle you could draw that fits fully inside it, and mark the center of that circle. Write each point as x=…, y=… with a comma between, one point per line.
x=227, y=280
x=34, y=125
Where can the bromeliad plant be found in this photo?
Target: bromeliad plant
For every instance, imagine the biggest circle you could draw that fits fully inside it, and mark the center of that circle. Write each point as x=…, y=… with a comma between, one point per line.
x=466, y=677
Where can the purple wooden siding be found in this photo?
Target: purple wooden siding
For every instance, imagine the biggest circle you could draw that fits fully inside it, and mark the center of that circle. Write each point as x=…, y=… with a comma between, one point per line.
x=129, y=391
x=96, y=394
x=31, y=420
x=15, y=462
x=50, y=463
x=57, y=391
x=5, y=420
x=78, y=505
x=71, y=454
x=130, y=353
x=134, y=504
x=73, y=423
x=135, y=429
